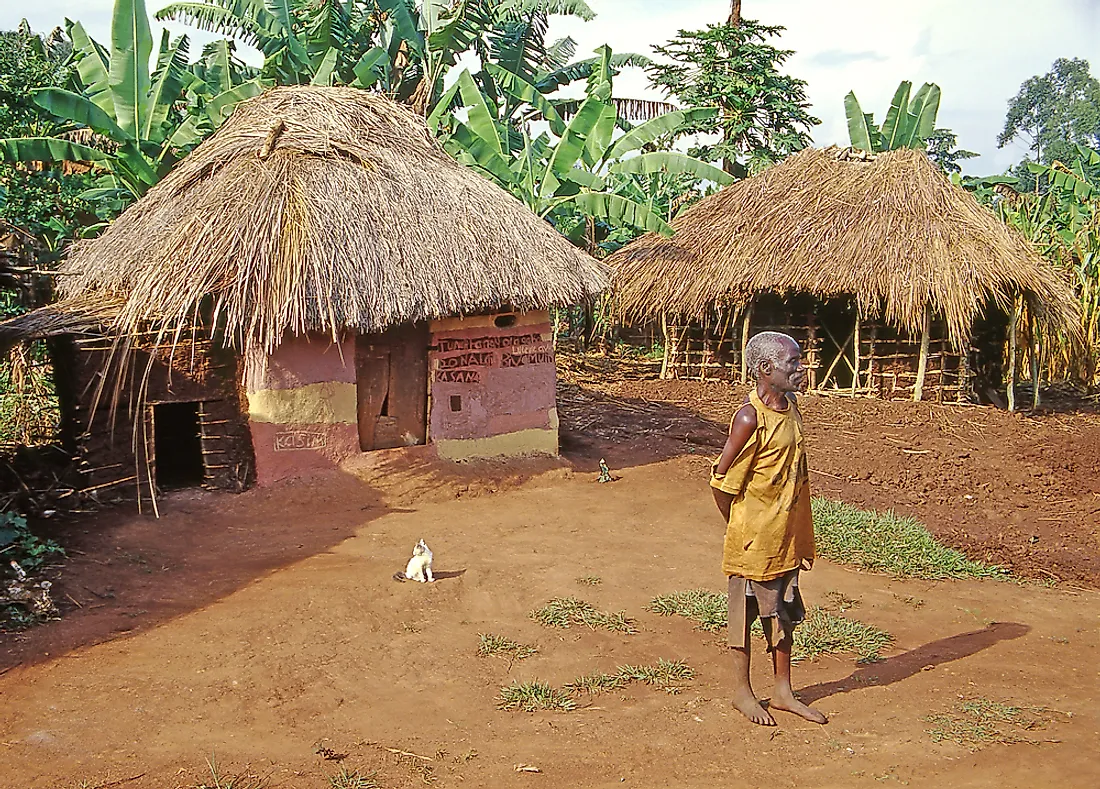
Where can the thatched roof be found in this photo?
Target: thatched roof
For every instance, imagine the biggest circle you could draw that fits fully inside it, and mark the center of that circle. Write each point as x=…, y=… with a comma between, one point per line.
x=317, y=209
x=891, y=231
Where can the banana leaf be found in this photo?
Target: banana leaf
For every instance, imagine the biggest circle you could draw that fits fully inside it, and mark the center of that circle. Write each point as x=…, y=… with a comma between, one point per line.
x=897, y=117
x=323, y=74
x=922, y=113
x=647, y=132
x=48, y=149
x=860, y=132
x=672, y=163
x=365, y=72
x=518, y=88
x=570, y=147
x=169, y=81
x=128, y=78
x=481, y=121
x=79, y=110
x=92, y=67
x=618, y=211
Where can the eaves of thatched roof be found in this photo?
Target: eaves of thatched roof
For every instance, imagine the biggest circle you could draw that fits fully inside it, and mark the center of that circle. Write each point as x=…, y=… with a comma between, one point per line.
x=890, y=231
x=318, y=209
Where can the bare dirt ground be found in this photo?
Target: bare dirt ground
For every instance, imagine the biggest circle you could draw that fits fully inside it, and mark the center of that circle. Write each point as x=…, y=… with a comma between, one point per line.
x=263, y=630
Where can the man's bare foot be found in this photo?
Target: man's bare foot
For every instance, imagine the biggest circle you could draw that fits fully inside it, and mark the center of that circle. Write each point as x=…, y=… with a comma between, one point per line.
x=748, y=706
x=793, y=705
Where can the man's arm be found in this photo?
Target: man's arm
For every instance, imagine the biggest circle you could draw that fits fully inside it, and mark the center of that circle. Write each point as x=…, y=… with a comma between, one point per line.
x=741, y=430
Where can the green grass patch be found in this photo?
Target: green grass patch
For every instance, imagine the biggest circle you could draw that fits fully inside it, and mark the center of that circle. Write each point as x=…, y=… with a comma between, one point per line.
x=532, y=696
x=567, y=611
x=352, y=779
x=491, y=644
x=976, y=722
x=666, y=675
x=889, y=543
x=823, y=633
x=708, y=609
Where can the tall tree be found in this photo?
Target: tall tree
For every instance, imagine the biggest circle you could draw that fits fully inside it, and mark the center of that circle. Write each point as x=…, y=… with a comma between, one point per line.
x=942, y=148
x=1055, y=112
x=764, y=114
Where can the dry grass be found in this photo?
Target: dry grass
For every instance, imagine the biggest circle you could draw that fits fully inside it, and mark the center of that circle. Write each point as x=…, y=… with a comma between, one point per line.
x=567, y=611
x=977, y=722
x=666, y=675
x=535, y=695
x=893, y=232
x=491, y=644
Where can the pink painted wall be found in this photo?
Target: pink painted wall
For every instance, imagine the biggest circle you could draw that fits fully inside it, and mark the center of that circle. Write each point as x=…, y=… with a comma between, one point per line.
x=504, y=379
x=292, y=449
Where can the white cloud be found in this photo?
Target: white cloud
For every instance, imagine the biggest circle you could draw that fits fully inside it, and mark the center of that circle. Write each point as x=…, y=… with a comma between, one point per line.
x=978, y=51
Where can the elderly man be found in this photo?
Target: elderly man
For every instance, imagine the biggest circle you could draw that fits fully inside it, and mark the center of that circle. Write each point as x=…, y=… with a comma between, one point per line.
x=761, y=486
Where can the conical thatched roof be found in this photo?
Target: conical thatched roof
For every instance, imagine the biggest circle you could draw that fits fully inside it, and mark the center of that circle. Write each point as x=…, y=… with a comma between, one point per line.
x=891, y=231
x=321, y=208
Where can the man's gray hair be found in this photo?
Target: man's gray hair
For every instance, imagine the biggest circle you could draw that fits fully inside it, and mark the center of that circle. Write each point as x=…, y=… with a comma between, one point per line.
x=765, y=347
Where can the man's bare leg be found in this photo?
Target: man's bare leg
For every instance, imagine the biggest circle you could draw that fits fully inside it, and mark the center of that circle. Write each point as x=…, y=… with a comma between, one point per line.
x=783, y=696
x=743, y=698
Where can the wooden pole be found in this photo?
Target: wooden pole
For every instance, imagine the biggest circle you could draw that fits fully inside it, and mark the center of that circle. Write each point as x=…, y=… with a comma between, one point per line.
x=855, y=373
x=922, y=363
x=745, y=342
x=1036, y=351
x=1012, y=327
x=664, y=335
x=963, y=394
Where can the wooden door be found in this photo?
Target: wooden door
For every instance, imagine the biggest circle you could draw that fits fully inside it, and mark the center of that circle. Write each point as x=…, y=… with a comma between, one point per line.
x=391, y=375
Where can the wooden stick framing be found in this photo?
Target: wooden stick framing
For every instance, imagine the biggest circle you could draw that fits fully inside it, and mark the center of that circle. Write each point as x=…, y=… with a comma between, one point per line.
x=922, y=362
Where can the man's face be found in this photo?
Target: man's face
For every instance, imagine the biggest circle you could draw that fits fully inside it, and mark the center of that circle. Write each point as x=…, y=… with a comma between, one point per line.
x=787, y=373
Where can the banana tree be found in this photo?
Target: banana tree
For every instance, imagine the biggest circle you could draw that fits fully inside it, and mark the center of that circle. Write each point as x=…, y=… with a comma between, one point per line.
x=584, y=170
x=909, y=121
x=131, y=124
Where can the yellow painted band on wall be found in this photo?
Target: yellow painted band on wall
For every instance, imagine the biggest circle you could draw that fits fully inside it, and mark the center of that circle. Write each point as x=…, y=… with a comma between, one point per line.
x=532, y=318
x=327, y=403
x=536, y=441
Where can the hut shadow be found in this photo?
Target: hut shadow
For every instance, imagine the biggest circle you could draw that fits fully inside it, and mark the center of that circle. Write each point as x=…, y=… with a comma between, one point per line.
x=632, y=431
x=907, y=664
x=128, y=572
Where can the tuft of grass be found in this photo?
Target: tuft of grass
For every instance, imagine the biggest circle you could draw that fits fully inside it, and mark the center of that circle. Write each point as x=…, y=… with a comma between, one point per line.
x=236, y=781
x=352, y=779
x=590, y=580
x=594, y=684
x=822, y=633
x=492, y=644
x=979, y=721
x=568, y=611
x=709, y=609
x=535, y=695
x=665, y=675
x=889, y=543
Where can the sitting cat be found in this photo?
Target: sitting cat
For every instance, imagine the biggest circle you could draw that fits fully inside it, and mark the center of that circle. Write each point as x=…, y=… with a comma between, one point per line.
x=420, y=565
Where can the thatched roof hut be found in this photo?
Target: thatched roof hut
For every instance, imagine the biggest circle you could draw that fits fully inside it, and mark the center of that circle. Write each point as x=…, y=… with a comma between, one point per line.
x=316, y=209
x=316, y=280
x=890, y=231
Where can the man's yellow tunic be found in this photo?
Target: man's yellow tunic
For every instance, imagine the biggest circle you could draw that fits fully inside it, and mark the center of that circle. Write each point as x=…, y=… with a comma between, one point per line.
x=770, y=530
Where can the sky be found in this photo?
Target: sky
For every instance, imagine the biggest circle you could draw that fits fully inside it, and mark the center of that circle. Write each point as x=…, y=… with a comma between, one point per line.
x=977, y=51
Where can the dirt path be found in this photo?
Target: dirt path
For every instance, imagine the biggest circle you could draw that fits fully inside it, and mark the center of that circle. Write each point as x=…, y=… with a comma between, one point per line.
x=329, y=652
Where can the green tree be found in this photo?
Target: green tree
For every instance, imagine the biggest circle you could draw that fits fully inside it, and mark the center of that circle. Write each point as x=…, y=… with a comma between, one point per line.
x=764, y=114
x=942, y=148
x=909, y=123
x=1055, y=112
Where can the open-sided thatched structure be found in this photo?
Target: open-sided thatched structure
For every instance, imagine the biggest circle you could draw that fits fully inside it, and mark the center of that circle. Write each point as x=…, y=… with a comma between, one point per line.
x=888, y=272
x=301, y=278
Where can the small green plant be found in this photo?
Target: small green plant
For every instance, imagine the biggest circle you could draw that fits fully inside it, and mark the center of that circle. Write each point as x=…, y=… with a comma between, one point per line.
x=590, y=580
x=352, y=779
x=709, y=609
x=889, y=543
x=979, y=721
x=596, y=683
x=18, y=543
x=840, y=601
x=491, y=644
x=531, y=696
x=567, y=611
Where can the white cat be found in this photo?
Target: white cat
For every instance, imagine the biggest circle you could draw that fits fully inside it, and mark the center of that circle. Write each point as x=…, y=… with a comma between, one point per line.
x=420, y=565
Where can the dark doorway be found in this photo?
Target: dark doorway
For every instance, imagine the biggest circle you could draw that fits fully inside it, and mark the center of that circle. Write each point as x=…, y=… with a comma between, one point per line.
x=177, y=445
x=391, y=381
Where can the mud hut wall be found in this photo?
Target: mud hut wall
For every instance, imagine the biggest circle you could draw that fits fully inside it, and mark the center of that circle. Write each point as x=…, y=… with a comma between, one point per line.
x=889, y=360
x=101, y=420
x=302, y=406
x=492, y=386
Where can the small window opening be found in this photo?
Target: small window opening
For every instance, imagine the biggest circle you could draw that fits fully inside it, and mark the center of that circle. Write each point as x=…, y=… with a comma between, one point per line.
x=386, y=406
x=177, y=445
x=456, y=402
x=504, y=321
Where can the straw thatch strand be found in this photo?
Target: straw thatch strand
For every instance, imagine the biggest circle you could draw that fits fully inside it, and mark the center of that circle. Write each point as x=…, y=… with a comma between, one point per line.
x=893, y=232
x=315, y=209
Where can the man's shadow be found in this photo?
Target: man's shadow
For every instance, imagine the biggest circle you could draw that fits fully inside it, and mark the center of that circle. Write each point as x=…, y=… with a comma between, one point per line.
x=905, y=665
